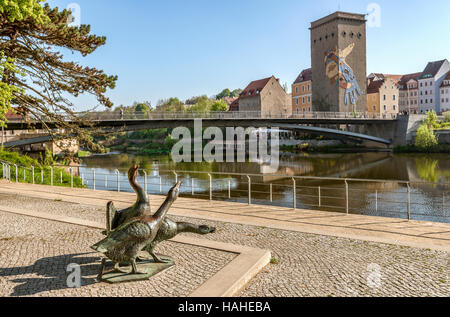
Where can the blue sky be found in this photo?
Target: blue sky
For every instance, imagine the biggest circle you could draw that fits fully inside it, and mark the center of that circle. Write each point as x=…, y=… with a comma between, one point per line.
x=183, y=48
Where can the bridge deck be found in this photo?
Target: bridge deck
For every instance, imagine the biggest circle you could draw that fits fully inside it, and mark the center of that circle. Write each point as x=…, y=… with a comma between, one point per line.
x=385, y=230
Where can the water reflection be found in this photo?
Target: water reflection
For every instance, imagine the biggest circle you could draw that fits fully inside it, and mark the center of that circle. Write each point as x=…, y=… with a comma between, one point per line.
x=389, y=199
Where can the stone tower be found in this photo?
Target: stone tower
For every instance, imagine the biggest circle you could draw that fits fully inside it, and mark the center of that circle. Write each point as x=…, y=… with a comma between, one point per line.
x=338, y=60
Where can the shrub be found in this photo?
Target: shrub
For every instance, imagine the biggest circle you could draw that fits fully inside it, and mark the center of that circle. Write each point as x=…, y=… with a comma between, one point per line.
x=425, y=138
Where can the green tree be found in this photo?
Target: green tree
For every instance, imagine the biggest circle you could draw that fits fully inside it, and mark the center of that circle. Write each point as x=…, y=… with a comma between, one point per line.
x=236, y=92
x=142, y=107
x=170, y=105
x=7, y=91
x=447, y=117
x=225, y=93
x=425, y=138
x=219, y=106
x=32, y=36
x=431, y=120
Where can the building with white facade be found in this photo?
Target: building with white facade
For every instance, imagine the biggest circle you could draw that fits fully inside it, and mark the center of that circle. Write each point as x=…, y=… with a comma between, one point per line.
x=445, y=94
x=429, y=85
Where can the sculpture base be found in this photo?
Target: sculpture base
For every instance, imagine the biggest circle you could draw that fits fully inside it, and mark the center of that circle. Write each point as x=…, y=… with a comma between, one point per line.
x=149, y=267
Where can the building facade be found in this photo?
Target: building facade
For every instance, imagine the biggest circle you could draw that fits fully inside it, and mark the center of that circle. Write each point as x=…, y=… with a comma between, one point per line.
x=302, y=93
x=445, y=94
x=409, y=93
x=429, y=85
x=338, y=60
x=383, y=97
x=265, y=96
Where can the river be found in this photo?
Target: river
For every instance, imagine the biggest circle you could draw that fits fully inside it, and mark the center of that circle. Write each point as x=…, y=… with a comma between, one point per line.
x=389, y=198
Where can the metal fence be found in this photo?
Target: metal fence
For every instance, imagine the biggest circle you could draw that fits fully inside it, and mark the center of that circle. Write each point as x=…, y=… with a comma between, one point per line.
x=390, y=198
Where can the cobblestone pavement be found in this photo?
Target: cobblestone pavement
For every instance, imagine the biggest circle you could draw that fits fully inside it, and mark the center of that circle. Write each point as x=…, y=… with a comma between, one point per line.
x=35, y=254
x=303, y=264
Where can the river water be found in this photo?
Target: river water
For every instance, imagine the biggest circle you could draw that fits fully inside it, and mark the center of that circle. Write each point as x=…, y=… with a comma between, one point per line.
x=389, y=198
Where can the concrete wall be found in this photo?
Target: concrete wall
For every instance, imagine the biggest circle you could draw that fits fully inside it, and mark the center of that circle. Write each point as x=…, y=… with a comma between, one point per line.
x=338, y=31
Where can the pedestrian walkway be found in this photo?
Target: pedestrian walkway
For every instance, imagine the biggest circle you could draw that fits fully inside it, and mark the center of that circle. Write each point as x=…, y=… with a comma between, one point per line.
x=428, y=235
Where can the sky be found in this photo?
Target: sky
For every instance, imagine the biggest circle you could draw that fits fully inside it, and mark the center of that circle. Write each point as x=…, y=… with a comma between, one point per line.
x=184, y=48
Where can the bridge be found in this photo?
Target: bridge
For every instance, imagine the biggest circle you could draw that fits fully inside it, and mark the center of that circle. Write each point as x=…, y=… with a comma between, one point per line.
x=347, y=126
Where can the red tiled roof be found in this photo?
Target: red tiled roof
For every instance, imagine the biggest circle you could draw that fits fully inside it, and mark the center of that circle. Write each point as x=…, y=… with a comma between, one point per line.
x=305, y=75
x=229, y=100
x=13, y=116
x=234, y=105
x=446, y=78
x=254, y=86
x=405, y=78
x=374, y=86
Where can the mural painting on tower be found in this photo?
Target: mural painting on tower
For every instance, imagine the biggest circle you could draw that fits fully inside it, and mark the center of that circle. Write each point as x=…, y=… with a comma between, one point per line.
x=341, y=74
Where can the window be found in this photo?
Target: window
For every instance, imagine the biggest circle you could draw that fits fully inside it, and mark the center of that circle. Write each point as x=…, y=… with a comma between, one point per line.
x=303, y=88
x=393, y=97
x=303, y=101
x=296, y=89
x=297, y=111
x=384, y=107
x=309, y=109
x=384, y=97
x=393, y=107
x=309, y=98
x=296, y=101
x=374, y=108
x=431, y=100
x=309, y=87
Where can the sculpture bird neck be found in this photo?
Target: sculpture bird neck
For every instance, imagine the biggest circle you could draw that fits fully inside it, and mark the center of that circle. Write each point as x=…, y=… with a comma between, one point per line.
x=132, y=176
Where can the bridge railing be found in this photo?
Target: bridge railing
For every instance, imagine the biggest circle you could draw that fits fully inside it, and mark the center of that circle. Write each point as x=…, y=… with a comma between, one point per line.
x=155, y=115
x=387, y=198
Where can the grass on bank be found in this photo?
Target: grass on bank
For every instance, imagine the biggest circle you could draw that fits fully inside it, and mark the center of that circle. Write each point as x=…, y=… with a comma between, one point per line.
x=42, y=172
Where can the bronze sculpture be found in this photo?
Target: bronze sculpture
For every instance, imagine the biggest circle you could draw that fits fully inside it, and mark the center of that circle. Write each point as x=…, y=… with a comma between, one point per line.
x=169, y=228
x=123, y=244
x=134, y=229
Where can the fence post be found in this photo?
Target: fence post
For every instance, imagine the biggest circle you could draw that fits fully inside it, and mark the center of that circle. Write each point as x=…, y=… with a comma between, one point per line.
x=192, y=186
x=210, y=186
x=249, y=190
x=160, y=185
x=176, y=177
x=51, y=176
x=106, y=181
x=294, y=193
x=60, y=175
x=320, y=198
x=42, y=176
x=376, y=200
x=271, y=192
x=346, y=196
x=32, y=172
x=229, y=189
x=408, y=192
x=24, y=175
x=71, y=176
x=93, y=178
x=17, y=174
x=118, y=180
x=145, y=182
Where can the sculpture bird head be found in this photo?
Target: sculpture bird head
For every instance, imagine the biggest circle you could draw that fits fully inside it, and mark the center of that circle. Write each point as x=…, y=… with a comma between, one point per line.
x=132, y=172
x=175, y=191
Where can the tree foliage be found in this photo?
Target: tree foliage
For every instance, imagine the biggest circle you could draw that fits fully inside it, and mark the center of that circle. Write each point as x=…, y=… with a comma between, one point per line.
x=33, y=36
x=425, y=137
x=6, y=90
x=219, y=106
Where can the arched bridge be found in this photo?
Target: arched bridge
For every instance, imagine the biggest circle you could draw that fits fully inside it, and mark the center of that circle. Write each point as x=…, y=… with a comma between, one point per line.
x=365, y=127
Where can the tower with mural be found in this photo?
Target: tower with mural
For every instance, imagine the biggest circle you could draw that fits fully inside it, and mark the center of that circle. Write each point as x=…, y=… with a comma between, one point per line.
x=338, y=60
